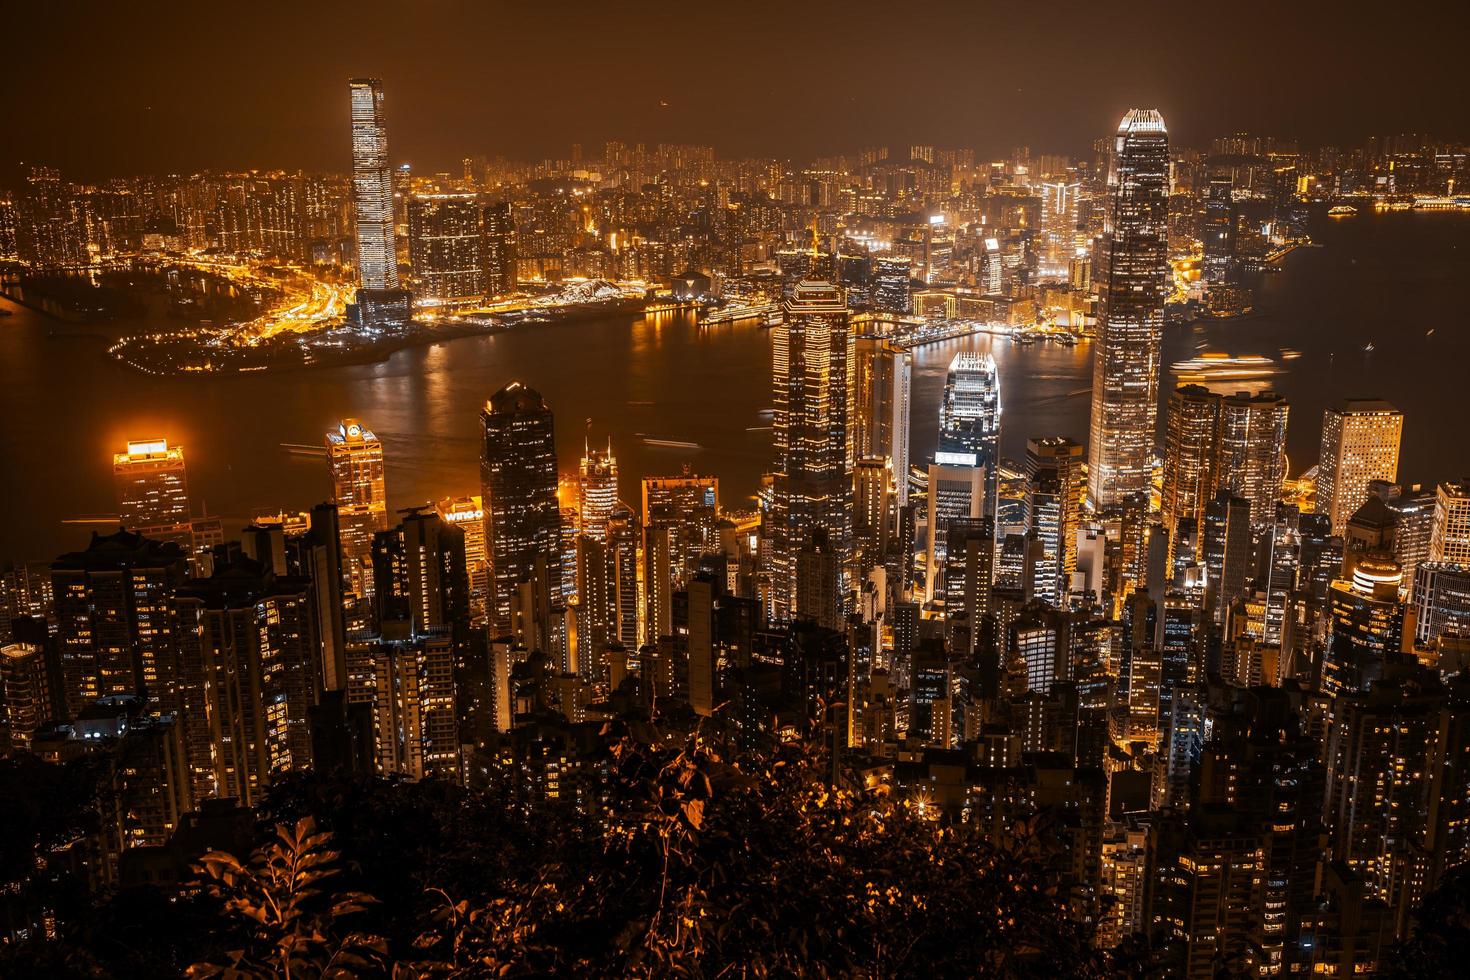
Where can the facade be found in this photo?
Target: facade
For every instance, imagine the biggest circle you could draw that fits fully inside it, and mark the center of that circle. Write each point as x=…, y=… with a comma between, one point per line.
x=812, y=489
x=1360, y=444
x=518, y=483
x=1133, y=281
x=1055, y=485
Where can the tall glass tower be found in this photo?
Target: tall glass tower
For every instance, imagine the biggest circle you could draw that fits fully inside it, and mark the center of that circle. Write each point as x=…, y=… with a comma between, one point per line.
x=518, y=482
x=969, y=418
x=372, y=187
x=812, y=488
x=1133, y=282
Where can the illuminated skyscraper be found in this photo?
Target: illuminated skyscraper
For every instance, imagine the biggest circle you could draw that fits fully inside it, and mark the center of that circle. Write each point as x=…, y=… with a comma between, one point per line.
x=356, y=459
x=969, y=419
x=498, y=249
x=1253, y=451
x=812, y=365
x=518, y=483
x=444, y=241
x=152, y=487
x=1054, y=477
x=1191, y=458
x=1059, y=211
x=881, y=396
x=1360, y=444
x=1450, y=539
x=1133, y=281
x=372, y=187
x=597, y=491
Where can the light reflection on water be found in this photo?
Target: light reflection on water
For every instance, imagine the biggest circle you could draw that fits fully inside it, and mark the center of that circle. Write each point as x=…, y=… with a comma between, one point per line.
x=1384, y=280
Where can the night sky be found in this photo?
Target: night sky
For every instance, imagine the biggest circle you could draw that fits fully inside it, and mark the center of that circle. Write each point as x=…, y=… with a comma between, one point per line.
x=118, y=88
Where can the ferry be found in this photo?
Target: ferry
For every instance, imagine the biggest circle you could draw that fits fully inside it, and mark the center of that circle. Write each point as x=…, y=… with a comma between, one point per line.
x=1216, y=366
x=1342, y=211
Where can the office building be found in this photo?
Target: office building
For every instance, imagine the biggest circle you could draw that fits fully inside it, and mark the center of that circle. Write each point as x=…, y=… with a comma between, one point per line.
x=151, y=483
x=1133, y=281
x=372, y=187
x=597, y=491
x=1450, y=537
x=812, y=488
x=1360, y=444
x=355, y=458
x=518, y=483
x=1191, y=457
x=881, y=408
x=1253, y=450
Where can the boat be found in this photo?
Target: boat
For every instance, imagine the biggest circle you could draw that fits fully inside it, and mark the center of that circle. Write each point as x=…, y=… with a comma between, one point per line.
x=1216, y=366
x=671, y=443
x=1342, y=211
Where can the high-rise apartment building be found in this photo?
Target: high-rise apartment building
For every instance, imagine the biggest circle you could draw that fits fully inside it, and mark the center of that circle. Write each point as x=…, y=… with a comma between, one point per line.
x=444, y=247
x=1360, y=444
x=113, y=629
x=1133, y=281
x=498, y=249
x=518, y=483
x=812, y=366
x=152, y=484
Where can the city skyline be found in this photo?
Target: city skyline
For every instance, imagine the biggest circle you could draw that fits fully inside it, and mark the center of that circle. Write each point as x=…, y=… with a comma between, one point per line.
x=652, y=562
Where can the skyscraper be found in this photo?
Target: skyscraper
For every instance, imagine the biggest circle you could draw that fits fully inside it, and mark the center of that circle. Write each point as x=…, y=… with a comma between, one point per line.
x=1133, y=283
x=597, y=491
x=1054, y=478
x=969, y=419
x=1191, y=457
x=151, y=483
x=1450, y=539
x=881, y=406
x=1360, y=444
x=372, y=187
x=498, y=250
x=356, y=459
x=811, y=368
x=518, y=485
x=1253, y=450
